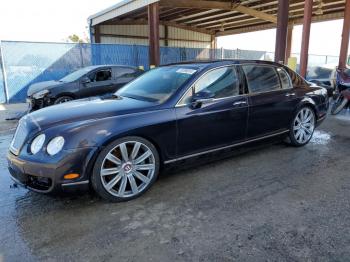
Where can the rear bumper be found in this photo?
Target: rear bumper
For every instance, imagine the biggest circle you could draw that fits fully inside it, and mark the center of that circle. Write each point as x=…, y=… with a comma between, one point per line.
x=322, y=112
x=46, y=177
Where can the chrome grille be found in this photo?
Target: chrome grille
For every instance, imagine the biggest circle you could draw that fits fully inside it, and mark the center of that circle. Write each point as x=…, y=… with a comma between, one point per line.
x=19, y=138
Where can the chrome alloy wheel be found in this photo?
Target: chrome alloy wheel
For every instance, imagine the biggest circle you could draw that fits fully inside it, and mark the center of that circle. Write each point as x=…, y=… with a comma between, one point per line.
x=304, y=125
x=127, y=169
x=64, y=100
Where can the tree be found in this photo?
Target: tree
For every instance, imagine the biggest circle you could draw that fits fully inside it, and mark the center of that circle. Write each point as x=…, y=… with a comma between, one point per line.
x=76, y=39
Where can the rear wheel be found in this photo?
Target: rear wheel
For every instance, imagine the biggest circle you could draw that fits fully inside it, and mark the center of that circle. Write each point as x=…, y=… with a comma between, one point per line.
x=125, y=169
x=63, y=99
x=339, y=104
x=302, y=127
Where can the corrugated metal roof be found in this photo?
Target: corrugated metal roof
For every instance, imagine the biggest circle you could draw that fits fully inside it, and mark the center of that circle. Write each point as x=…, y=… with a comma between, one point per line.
x=217, y=17
x=118, y=9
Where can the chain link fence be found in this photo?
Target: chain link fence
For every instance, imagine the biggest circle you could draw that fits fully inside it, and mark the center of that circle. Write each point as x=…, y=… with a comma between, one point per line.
x=2, y=81
x=25, y=63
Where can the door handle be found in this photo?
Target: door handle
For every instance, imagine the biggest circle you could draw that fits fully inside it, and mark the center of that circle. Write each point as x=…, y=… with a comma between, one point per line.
x=290, y=94
x=239, y=103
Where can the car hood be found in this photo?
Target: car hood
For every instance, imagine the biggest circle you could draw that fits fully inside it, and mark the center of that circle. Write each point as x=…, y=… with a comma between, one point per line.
x=35, y=88
x=86, y=109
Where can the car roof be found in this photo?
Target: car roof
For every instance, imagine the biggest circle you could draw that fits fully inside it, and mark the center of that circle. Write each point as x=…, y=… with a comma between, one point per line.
x=213, y=63
x=102, y=66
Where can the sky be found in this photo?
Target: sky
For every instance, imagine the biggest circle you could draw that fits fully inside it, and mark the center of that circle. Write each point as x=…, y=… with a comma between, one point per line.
x=47, y=20
x=55, y=20
x=325, y=38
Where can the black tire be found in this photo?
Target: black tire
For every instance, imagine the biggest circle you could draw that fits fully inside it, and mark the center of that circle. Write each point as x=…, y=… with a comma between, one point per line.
x=292, y=137
x=63, y=99
x=339, y=104
x=96, y=177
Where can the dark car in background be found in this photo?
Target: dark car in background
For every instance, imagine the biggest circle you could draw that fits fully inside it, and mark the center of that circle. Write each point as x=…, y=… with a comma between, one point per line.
x=169, y=114
x=324, y=75
x=85, y=82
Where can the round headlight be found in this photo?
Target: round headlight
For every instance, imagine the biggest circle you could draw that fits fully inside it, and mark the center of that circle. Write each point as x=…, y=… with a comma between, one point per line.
x=37, y=144
x=55, y=145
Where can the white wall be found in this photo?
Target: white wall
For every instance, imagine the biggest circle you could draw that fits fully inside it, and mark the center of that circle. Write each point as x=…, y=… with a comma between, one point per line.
x=178, y=36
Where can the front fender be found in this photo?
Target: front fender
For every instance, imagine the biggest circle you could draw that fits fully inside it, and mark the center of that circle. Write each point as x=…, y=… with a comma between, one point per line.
x=159, y=127
x=68, y=89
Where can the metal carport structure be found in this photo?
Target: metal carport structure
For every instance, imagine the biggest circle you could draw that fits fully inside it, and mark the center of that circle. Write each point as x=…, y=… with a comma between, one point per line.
x=224, y=17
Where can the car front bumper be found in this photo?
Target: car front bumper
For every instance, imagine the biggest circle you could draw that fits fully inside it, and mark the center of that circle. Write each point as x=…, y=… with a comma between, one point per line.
x=46, y=177
x=35, y=104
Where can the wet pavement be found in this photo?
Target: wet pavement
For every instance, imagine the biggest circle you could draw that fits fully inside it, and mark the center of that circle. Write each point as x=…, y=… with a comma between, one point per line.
x=272, y=203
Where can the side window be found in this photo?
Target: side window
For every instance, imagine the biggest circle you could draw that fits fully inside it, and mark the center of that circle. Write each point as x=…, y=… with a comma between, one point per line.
x=285, y=80
x=186, y=99
x=101, y=75
x=261, y=78
x=125, y=72
x=222, y=82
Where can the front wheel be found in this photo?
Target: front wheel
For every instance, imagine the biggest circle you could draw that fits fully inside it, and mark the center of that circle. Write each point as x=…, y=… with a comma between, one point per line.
x=63, y=99
x=339, y=104
x=125, y=169
x=302, y=127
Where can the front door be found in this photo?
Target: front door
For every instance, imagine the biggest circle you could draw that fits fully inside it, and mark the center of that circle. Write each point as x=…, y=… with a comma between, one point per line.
x=100, y=83
x=217, y=122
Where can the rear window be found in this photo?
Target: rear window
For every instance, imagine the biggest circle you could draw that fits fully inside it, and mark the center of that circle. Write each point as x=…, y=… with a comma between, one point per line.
x=125, y=72
x=261, y=78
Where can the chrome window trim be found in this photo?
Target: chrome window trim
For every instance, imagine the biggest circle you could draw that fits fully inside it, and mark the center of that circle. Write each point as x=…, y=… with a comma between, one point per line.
x=249, y=92
x=225, y=147
x=267, y=92
x=207, y=72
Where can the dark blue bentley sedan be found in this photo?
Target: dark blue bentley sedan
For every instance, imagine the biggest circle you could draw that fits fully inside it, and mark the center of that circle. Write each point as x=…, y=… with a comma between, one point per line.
x=170, y=113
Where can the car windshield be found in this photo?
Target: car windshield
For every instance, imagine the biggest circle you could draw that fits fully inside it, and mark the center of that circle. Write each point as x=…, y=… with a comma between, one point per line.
x=76, y=74
x=157, y=85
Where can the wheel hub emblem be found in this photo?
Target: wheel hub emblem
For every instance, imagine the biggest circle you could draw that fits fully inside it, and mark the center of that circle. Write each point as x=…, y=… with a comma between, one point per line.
x=127, y=167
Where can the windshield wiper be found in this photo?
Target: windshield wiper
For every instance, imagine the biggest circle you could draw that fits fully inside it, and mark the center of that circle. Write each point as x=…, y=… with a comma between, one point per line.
x=110, y=96
x=115, y=96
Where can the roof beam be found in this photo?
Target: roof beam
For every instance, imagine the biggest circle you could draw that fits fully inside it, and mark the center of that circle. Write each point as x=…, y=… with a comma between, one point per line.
x=190, y=28
x=168, y=23
x=200, y=4
x=297, y=21
x=293, y=10
x=195, y=15
x=257, y=14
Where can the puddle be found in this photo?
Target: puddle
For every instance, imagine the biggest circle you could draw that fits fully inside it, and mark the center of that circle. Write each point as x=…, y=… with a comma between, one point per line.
x=344, y=115
x=320, y=138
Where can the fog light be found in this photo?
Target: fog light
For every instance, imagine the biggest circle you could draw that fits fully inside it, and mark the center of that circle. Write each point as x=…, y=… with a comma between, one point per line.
x=71, y=176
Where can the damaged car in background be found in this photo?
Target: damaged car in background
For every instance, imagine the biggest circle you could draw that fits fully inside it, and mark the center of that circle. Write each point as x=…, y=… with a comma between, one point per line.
x=89, y=81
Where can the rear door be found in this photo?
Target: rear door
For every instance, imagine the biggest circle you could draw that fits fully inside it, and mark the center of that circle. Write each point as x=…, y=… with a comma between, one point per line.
x=100, y=83
x=217, y=122
x=271, y=99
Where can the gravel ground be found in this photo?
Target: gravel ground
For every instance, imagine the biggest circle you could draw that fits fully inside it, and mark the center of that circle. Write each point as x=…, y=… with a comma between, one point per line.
x=269, y=203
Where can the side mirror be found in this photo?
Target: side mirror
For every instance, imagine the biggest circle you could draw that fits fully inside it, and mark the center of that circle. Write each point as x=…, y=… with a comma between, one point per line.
x=202, y=97
x=85, y=80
